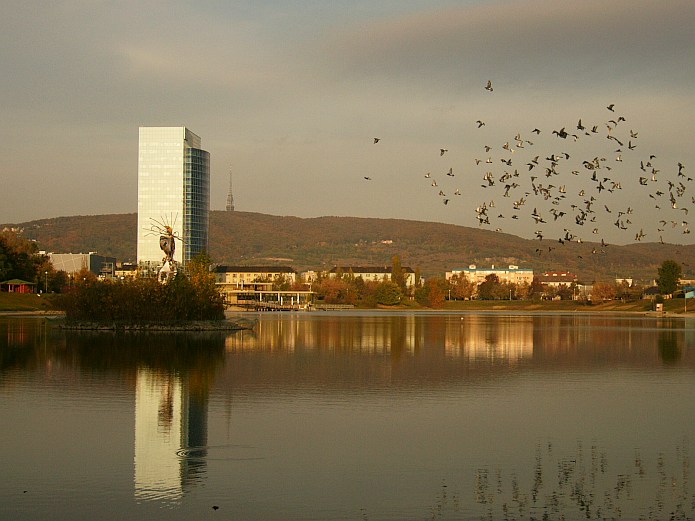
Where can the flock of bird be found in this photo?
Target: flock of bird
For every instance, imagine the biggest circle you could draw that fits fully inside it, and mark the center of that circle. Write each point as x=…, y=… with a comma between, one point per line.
x=574, y=185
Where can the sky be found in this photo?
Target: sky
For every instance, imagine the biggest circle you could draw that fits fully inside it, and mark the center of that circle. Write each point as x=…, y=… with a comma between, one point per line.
x=289, y=96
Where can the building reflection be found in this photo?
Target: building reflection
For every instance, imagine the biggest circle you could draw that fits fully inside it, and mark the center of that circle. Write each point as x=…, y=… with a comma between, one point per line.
x=171, y=419
x=508, y=338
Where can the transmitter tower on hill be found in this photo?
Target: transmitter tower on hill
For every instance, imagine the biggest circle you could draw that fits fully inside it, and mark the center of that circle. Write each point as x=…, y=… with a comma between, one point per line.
x=230, y=196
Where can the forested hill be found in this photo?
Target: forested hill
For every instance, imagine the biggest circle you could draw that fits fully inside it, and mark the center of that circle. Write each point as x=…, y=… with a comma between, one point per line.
x=322, y=242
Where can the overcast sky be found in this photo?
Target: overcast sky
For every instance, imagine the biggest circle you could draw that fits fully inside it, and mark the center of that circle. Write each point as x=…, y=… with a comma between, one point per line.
x=289, y=96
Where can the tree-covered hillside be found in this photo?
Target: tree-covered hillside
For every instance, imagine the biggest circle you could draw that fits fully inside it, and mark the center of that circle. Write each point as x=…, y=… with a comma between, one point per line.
x=322, y=242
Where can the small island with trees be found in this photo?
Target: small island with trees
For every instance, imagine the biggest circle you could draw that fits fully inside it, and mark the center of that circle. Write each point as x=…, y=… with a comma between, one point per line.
x=187, y=301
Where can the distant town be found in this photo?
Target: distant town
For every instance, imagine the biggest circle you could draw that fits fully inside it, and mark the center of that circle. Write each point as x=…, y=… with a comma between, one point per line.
x=174, y=208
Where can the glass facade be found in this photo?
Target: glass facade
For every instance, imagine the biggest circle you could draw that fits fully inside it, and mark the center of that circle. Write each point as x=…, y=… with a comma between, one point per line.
x=173, y=190
x=196, y=204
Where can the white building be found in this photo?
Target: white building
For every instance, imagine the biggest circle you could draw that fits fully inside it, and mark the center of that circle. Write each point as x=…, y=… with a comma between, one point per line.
x=512, y=274
x=72, y=263
x=173, y=190
x=373, y=273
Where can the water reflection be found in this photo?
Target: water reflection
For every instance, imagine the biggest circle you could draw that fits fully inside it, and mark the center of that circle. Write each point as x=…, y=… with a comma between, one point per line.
x=670, y=346
x=583, y=484
x=374, y=350
x=171, y=416
x=171, y=376
x=498, y=416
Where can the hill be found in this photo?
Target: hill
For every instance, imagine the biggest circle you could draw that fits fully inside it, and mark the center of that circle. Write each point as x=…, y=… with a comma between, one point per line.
x=318, y=243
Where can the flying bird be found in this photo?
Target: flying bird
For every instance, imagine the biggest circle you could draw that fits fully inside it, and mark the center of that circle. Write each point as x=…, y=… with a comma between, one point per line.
x=488, y=86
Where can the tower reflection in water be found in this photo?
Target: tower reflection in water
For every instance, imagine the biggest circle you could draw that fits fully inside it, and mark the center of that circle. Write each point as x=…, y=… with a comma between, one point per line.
x=171, y=418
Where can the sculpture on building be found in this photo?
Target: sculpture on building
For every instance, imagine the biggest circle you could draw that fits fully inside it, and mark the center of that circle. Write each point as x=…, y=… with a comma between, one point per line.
x=167, y=243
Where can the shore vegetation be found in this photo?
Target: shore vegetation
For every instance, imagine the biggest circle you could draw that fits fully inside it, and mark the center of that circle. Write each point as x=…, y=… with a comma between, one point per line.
x=190, y=296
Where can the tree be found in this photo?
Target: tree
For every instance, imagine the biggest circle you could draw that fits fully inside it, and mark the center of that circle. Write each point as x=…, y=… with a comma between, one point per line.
x=397, y=273
x=19, y=258
x=536, y=289
x=432, y=293
x=604, y=291
x=333, y=291
x=565, y=292
x=490, y=288
x=418, y=279
x=388, y=294
x=461, y=287
x=669, y=275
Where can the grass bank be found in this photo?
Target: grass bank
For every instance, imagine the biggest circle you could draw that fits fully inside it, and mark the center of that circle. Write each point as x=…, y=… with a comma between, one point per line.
x=614, y=306
x=26, y=302
x=31, y=302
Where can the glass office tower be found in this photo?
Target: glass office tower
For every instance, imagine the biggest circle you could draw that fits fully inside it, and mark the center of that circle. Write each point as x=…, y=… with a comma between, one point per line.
x=173, y=190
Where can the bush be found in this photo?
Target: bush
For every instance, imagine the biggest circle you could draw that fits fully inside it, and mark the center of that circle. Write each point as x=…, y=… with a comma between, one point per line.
x=142, y=300
x=388, y=294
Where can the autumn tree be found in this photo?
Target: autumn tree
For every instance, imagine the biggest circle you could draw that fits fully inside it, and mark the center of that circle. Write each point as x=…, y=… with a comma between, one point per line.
x=604, y=291
x=432, y=293
x=190, y=295
x=461, y=287
x=334, y=291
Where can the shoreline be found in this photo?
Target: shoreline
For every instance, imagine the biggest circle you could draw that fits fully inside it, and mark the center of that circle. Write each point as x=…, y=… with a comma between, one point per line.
x=496, y=307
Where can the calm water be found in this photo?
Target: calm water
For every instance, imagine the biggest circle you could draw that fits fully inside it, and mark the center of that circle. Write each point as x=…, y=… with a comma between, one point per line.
x=355, y=416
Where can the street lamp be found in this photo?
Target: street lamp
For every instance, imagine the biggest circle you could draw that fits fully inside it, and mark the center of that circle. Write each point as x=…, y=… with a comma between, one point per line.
x=45, y=289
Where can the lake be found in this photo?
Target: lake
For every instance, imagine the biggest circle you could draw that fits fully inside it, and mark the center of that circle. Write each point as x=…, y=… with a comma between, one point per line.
x=352, y=416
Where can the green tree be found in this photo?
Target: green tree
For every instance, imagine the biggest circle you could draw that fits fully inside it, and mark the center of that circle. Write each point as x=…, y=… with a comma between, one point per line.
x=535, y=290
x=490, y=288
x=565, y=292
x=669, y=275
x=397, y=273
x=388, y=294
x=418, y=277
x=19, y=258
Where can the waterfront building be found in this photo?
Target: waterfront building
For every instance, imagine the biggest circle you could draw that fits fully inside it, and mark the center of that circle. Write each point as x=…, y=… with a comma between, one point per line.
x=252, y=287
x=72, y=263
x=173, y=190
x=512, y=274
x=373, y=273
x=555, y=279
